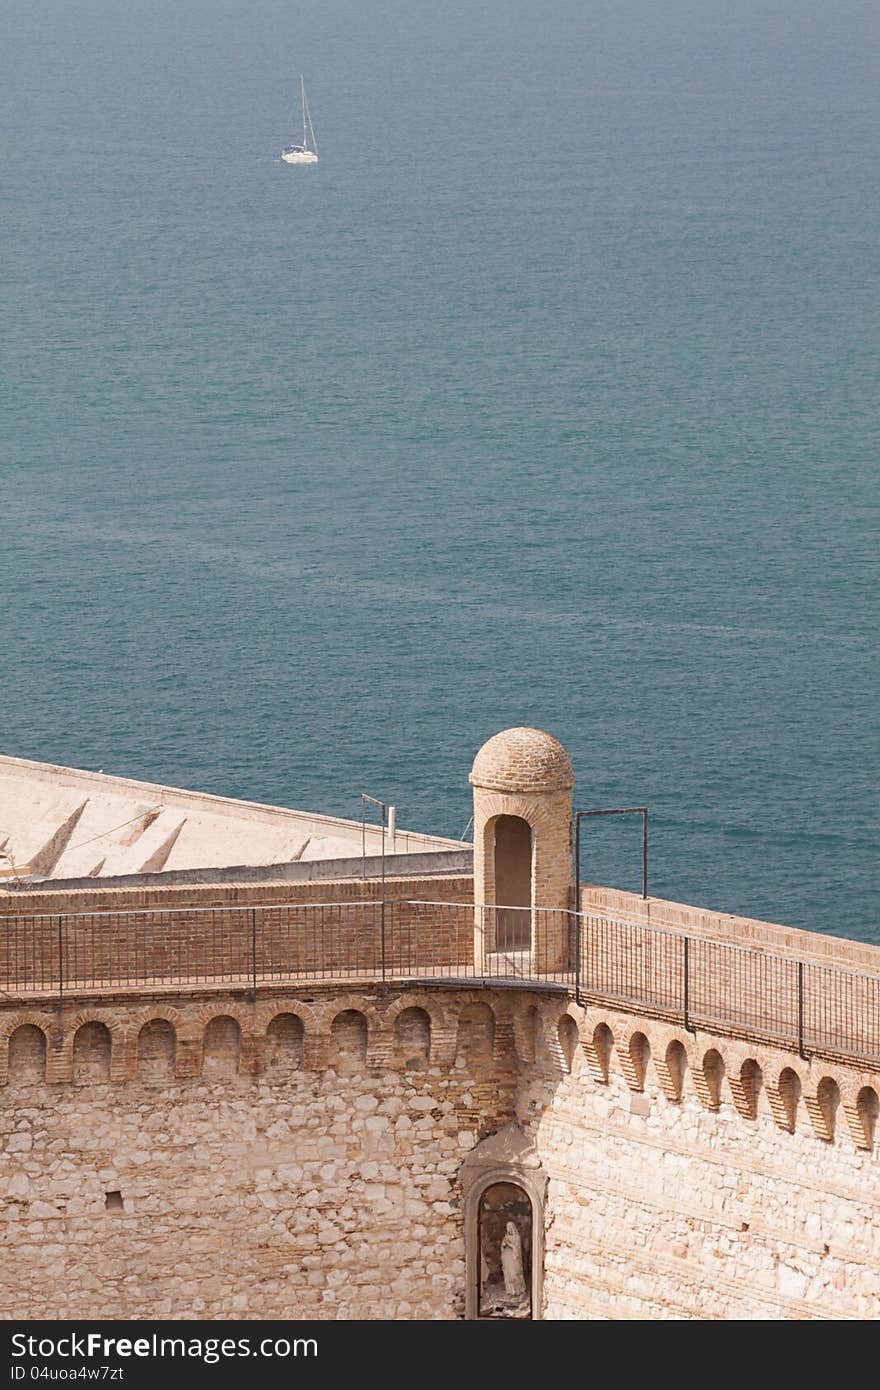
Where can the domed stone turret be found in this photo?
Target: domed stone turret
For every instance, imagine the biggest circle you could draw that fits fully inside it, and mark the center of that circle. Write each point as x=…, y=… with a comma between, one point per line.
x=522, y=780
x=522, y=760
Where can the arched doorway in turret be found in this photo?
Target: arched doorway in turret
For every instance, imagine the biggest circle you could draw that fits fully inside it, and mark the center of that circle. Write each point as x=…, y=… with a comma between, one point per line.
x=513, y=883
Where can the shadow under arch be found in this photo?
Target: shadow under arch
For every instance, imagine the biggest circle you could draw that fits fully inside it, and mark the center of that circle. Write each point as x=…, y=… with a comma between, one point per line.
x=512, y=851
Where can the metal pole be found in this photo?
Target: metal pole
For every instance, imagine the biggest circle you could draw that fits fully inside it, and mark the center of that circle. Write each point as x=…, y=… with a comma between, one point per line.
x=687, y=1022
x=800, y=1009
x=577, y=957
x=577, y=861
x=613, y=811
x=374, y=801
x=61, y=957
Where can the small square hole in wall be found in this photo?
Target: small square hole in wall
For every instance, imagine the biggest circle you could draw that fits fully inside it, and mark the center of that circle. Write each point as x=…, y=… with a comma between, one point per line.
x=113, y=1201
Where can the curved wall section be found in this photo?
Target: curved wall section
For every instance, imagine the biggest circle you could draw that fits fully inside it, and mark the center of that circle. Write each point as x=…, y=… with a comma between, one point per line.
x=335, y=1149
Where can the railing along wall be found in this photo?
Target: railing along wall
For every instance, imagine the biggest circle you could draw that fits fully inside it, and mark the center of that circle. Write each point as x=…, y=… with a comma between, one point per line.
x=695, y=981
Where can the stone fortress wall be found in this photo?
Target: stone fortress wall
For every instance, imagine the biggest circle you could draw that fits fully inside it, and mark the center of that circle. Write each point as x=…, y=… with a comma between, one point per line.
x=303, y=1151
x=301, y=1155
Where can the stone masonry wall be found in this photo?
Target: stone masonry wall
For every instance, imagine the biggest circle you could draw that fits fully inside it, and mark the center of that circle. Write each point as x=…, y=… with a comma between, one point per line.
x=694, y=1177
x=227, y=1159
x=300, y=1155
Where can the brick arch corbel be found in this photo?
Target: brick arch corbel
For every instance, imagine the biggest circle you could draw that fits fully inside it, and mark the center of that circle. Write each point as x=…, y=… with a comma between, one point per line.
x=774, y=1077
x=438, y=1050
x=271, y=1009
x=501, y=1016
x=815, y=1104
x=849, y=1104
x=10, y=1025
x=665, y=1038
x=340, y=1004
x=598, y=1063
x=63, y=1052
x=223, y=1008
x=314, y=1030
x=250, y=1051
x=553, y=1020
x=158, y=1013
x=634, y=1068
x=743, y=1093
x=442, y=1049
x=521, y=1012
x=417, y=999
x=149, y=1012
x=190, y=1031
x=477, y=996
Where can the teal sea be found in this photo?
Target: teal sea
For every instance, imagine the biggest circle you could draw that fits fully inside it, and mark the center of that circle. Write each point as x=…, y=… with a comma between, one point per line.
x=549, y=397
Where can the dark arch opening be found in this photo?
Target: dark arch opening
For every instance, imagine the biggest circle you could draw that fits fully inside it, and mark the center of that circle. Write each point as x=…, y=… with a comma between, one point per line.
x=513, y=883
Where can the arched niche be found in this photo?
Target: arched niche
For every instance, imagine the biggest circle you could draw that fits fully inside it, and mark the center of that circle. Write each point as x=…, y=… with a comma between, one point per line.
x=512, y=851
x=503, y=1186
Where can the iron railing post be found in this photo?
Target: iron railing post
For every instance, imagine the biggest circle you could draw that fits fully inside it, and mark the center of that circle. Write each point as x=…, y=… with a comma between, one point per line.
x=577, y=862
x=577, y=957
x=112, y=950
x=614, y=811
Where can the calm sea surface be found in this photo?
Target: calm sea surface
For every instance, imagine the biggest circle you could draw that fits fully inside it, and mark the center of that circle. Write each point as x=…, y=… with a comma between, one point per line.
x=549, y=397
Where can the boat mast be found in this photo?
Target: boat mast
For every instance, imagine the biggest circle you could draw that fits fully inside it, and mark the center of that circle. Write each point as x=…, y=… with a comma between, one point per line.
x=311, y=127
x=302, y=89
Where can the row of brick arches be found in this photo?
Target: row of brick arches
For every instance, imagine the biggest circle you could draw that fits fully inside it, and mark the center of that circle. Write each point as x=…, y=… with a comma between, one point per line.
x=283, y=1049
x=675, y=1065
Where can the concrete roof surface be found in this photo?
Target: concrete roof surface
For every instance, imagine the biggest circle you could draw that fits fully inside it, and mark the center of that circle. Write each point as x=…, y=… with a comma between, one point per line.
x=64, y=822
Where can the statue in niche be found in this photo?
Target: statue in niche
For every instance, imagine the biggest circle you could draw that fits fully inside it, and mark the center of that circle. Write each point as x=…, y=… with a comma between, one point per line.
x=512, y=1263
x=505, y=1234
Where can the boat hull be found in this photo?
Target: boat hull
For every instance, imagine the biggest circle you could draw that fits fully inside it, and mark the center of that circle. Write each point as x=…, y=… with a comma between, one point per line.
x=299, y=157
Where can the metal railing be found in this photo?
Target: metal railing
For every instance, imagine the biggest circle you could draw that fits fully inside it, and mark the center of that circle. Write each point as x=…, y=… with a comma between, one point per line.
x=695, y=981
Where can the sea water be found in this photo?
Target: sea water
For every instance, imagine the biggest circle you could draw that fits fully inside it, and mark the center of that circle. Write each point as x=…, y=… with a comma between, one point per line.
x=548, y=397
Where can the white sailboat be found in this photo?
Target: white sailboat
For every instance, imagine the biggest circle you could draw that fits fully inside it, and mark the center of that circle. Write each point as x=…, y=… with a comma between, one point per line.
x=306, y=153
